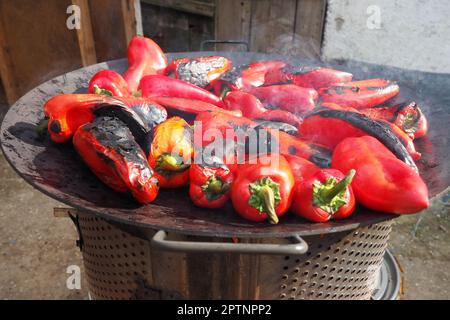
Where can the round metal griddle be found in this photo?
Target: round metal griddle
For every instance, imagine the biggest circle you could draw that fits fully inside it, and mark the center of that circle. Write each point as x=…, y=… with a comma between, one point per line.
x=57, y=171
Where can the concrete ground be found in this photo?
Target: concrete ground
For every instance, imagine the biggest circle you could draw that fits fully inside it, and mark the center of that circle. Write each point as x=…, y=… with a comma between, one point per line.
x=36, y=248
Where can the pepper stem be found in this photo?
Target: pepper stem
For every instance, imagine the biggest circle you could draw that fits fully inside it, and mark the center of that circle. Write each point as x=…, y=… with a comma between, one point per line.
x=328, y=195
x=42, y=127
x=269, y=201
x=98, y=90
x=216, y=186
x=167, y=162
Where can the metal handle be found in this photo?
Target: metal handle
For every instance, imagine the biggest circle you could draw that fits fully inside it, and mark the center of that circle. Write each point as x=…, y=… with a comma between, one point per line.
x=237, y=42
x=160, y=242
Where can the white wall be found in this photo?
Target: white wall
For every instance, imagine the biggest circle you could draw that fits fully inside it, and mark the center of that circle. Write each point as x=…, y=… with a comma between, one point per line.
x=413, y=34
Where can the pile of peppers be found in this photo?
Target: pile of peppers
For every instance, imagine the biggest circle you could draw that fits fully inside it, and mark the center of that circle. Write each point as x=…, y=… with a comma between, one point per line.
x=322, y=140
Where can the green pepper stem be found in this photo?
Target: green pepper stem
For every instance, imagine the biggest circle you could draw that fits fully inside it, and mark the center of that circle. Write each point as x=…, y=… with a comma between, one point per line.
x=98, y=90
x=328, y=195
x=216, y=186
x=168, y=162
x=269, y=201
x=42, y=127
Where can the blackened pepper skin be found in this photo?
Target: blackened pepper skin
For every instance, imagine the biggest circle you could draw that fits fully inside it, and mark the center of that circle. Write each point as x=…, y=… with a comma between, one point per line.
x=109, y=149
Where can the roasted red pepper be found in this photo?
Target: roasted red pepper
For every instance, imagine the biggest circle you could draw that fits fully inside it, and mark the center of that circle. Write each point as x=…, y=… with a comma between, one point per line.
x=287, y=97
x=210, y=183
x=188, y=109
x=67, y=112
x=324, y=196
x=246, y=77
x=330, y=126
x=171, y=152
x=406, y=116
x=110, y=151
x=306, y=77
x=201, y=71
x=252, y=108
x=211, y=124
x=145, y=57
x=110, y=83
x=360, y=94
x=382, y=182
x=263, y=190
x=162, y=86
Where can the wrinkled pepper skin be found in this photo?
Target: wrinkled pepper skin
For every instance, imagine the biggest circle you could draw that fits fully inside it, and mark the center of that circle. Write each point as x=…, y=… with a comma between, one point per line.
x=326, y=195
x=162, y=86
x=328, y=127
x=202, y=71
x=406, y=116
x=110, y=151
x=252, y=108
x=171, y=152
x=110, y=83
x=246, y=77
x=263, y=190
x=315, y=78
x=210, y=184
x=287, y=97
x=145, y=58
x=286, y=143
x=188, y=109
x=360, y=94
x=382, y=182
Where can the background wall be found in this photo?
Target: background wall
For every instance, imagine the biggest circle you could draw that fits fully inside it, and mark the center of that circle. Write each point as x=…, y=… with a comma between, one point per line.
x=412, y=34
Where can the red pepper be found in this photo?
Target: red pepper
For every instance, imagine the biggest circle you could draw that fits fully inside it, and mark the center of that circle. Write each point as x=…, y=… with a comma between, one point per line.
x=315, y=78
x=287, y=97
x=326, y=195
x=407, y=116
x=110, y=83
x=162, y=86
x=145, y=57
x=263, y=190
x=246, y=77
x=360, y=94
x=382, y=182
x=210, y=184
x=209, y=124
x=330, y=126
x=110, y=151
x=188, y=109
x=67, y=112
x=171, y=152
x=201, y=71
x=252, y=108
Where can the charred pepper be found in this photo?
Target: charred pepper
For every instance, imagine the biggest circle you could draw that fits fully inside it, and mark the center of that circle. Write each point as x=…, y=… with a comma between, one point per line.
x=202, y=71
x=171, y=152
x=360, y=94
x=109, y=149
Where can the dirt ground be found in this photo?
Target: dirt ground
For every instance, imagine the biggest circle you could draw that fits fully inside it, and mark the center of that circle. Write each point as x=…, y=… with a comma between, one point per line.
x=36, y=248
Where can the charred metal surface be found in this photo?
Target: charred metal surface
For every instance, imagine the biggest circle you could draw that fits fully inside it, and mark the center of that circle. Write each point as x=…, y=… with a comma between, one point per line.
x=283, y=126
x=57, y=171
x=374, y=128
